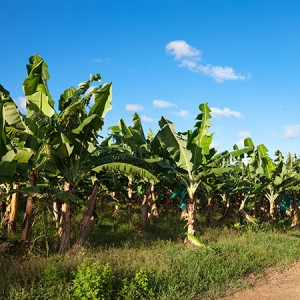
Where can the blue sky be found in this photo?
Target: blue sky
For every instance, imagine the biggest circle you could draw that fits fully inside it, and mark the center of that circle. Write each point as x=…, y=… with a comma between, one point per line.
x=166, y=57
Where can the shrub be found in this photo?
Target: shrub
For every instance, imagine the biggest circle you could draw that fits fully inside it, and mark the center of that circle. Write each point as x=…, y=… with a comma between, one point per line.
x=93, y=281
x=137, y=288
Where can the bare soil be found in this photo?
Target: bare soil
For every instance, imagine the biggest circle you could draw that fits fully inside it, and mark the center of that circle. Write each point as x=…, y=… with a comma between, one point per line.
x=273, y=285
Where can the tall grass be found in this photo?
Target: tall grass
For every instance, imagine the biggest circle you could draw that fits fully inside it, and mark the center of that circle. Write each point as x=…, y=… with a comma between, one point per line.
x=173, y=270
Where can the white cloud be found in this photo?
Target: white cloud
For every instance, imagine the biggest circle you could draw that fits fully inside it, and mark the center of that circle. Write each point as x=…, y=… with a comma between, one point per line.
x=292, y=131
x=181, y=49
x=226, y=112
x=21, y=103
x=163, y=104
x=147, y=119
x=242, y=135
x=220, y=74
x=98, y=61
x=190, y=58
x=134, y=107
x=183, y=113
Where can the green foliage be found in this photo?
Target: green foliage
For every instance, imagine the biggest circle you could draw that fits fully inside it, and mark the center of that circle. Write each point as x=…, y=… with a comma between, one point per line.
x=138, y=288
x=170, y=270
x=93, y=281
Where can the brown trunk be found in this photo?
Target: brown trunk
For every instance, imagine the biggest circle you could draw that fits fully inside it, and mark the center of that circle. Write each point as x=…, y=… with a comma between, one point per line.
x=65, y=223
x=191, y=206
x=129, y=204
x=28, y=215
x=87, y=222
x=274, y=209
x=227, y=210
x=154, y=211
x=210, y=207
x=264, y=209
x=247, y=217
x=116, y=206
x=294, y=211
x=237, y=203
x=55, y=213
x=2, y=208
x=152, y=204
x=13, y=210
x=277, y=208
x=272, y=212
x=145, y=206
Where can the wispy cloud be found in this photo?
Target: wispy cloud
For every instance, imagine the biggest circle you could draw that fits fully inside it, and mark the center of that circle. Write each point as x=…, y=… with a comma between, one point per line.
x=97, y=61
x=292, y=131
x=21, y=103
x=163, y=104
x=190, y=57
x=134, y=107
x=220, y=74
x=243, y=135
x=226, y=112
x=147, y=119
x=183, y=113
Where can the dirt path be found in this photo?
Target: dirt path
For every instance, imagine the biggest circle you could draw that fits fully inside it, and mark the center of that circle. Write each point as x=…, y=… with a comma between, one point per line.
x=279, y=286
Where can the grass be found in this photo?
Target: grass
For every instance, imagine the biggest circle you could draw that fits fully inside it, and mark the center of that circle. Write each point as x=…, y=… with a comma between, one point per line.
x=173, y=270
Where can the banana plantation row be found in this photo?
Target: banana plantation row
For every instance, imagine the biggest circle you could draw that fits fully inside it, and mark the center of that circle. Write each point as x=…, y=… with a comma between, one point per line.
x=58, y=158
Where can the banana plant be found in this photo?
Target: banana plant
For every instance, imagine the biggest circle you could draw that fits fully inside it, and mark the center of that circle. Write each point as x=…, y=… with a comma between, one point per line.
x=133, y=141
x=274, y=178
x=192, y=154
x=243, y=179
x=50, y=142
x=15, y=154
x=292, y=188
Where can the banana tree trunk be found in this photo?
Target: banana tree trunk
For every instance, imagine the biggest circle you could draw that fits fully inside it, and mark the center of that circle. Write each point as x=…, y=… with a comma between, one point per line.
x=277, y=208
x=65, y=223
x=273, y=213
x=87, y=222
x=154, y=211
x=191, y=206
x=294, y=211
x=28, y=215
x=265, y=209
x=13, y=210
x=145, y=206
x=227, y=209
x=273, y=198
x=210, y=206
x=55, y=210
x=129, y=194
x=116, y=206
x=2, y=206
x=243, y=213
